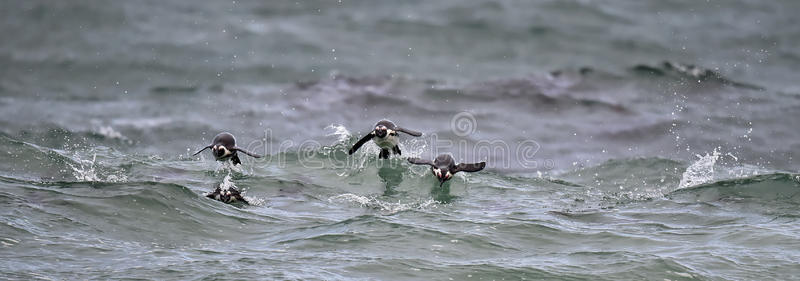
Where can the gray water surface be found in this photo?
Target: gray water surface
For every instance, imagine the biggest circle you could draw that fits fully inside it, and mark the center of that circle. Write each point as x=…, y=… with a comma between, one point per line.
x=644, y=140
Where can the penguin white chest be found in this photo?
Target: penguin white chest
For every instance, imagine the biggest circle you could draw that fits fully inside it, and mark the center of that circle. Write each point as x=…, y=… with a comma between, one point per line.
x=386, y=143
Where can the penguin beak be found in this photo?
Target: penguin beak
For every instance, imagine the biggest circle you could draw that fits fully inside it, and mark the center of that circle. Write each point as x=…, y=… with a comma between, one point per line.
x=380, y=131
x=220, y=151
x=443, y=177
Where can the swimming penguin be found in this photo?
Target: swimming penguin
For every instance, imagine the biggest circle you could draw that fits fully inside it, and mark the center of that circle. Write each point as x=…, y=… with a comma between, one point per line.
x=224, y=147
x=444, y=167
x=229, y=195
x=385, y=136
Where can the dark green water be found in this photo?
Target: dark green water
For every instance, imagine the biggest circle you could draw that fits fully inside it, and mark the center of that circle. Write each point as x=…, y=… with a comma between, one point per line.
x=610, y=157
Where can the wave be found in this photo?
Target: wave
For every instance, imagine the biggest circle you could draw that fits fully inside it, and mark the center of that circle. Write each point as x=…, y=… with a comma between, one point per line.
x=361, y=178
x=387, y=208
x=547, y=92
x=139, y=207
x=37, y=161
x=558, y=92
x=49, y=164
x=104, y=189
x=550, y=92
x=691, y=72
x=643, y=179
x=644, y=174
x=766, y=188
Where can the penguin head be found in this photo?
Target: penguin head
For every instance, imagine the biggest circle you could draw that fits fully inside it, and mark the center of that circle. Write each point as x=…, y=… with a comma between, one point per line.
x=226, y=196
x=381, y=131
x=230, y=195
x=220, y=151
x=443, y=174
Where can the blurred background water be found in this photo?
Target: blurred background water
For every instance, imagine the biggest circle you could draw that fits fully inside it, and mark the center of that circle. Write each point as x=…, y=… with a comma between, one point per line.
x=624, y=139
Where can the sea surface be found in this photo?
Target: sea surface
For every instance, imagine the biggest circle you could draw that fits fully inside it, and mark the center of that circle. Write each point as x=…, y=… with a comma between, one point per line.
x=624, y=140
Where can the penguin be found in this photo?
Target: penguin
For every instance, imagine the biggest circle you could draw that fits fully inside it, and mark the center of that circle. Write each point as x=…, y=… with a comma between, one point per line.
x=444, y=167
x=224, y=147
x=229, y=195
x=385, y=136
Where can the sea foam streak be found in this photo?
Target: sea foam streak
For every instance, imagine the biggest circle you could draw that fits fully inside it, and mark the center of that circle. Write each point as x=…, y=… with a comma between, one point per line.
x=375, y=203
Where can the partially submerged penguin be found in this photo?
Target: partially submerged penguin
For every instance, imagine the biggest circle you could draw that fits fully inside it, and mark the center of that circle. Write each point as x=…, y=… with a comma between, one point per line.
x=444, y=167
x=228, y=195
x=385, y=136
x=224, y=147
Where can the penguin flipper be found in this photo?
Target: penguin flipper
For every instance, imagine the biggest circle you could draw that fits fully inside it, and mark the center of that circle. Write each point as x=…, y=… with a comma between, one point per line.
x=235, y=160
x=361, y=142
x=240, y=198
x=247, y=152
x=214, y=194
x=204, y=148
x=407, y=131
x=396, y=150
x=472, y=167
x=420, y=161
x=236, y=196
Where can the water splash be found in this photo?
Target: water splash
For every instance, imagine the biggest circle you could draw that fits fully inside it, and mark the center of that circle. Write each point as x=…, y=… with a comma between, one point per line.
x=413, y=147
x=339, y=131
x=228, y=166
x=86, y=171
x=227, y=183
x=701, y=171
x=375, y=203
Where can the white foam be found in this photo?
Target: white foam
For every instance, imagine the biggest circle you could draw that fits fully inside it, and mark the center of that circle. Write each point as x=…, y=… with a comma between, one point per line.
x=142, y=123
x=375, y=203
x=254, y=201
x=109, y=132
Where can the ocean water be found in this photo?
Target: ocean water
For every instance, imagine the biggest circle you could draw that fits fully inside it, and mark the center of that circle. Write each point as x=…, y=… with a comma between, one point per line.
x=623, y=139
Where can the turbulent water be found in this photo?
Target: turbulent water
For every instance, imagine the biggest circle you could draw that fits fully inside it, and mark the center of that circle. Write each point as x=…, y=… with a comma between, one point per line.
x=641, y=140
